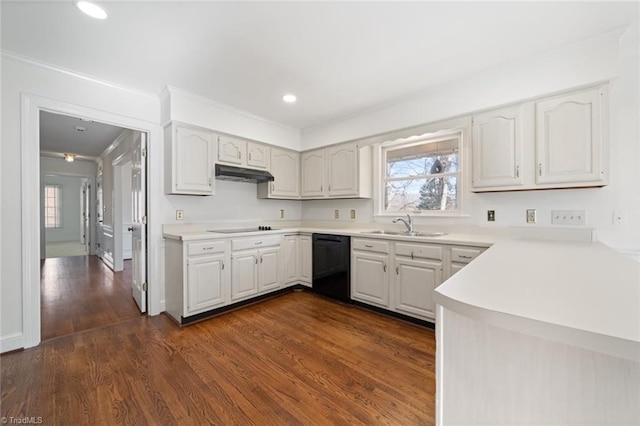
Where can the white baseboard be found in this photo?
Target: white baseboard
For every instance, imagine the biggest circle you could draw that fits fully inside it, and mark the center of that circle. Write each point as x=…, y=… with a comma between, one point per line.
x=11, y=342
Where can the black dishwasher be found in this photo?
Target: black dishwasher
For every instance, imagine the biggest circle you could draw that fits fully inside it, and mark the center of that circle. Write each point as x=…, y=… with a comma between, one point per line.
x=331, y=266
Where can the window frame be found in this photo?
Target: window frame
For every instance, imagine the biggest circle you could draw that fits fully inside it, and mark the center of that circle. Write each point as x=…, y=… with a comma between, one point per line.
x=58, y=207
x=459, y=130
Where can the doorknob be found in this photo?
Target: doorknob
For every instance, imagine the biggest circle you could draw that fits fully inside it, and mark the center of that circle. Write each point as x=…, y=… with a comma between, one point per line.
x=130, y=228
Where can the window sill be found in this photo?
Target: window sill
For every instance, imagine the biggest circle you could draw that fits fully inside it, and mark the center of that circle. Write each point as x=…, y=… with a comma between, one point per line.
x=429, y=215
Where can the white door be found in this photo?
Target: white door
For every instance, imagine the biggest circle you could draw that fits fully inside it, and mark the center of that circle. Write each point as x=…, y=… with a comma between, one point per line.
x=205, y=283
x=257, y=156
x=84, y=214
x=285, y=168
x=268, y=265
x=313, y=173
x=414, y=284
x=139, y=234
x=244, y=280
x=370, y=278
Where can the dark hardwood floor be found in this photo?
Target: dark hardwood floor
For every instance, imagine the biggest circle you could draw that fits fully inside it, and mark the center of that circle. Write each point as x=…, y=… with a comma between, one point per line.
x=79, y=293
x=297, y=359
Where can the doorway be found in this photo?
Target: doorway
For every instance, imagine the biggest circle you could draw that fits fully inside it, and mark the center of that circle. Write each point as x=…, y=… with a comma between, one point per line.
x=83, y=289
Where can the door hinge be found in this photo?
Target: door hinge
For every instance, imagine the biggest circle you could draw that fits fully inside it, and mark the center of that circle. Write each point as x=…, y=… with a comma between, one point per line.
x=145, y=286
x=144, y=152
x=144, y=220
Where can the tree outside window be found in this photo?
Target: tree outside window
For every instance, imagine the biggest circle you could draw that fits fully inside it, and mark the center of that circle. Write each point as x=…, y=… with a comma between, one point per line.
x=422, y=176
x=52, y=206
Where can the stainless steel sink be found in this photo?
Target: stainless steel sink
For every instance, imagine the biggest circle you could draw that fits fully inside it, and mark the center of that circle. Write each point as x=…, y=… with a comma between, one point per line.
x=406, y=233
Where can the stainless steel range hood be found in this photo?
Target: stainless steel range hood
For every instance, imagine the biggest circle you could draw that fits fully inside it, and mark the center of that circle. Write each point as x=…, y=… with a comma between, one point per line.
x=240, y=174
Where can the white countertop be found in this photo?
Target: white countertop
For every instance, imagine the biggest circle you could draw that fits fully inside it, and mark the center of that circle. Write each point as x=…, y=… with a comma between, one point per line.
x=194, y=233
x=582, y=294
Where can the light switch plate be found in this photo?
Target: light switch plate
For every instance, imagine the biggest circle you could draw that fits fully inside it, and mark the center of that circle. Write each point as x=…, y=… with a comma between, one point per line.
x=491, y=215
x=353, y=214
x=336, y=214
x=281, y=213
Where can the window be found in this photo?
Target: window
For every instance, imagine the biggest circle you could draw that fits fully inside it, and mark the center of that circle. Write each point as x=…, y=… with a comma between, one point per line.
x=422, y=175
x=52, y=206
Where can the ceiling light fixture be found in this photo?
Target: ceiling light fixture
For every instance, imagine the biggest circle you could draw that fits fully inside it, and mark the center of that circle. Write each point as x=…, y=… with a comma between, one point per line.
x=289, y=98
x=92, y=9
x=69, y=157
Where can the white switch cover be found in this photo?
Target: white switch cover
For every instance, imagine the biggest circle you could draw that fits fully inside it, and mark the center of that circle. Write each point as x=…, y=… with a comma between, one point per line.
x=568, y=217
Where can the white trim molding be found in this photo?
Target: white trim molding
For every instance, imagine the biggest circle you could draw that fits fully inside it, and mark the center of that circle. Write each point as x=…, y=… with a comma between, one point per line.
x=31, y=105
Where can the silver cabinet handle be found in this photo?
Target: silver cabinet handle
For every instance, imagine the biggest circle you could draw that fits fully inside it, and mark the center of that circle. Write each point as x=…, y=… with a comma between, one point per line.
x=329, y=187
x=273, y=186
x=518, y=171
x=411, y=255
x=207, y=248
x=462, y=256
x=249, y=156
x=257, y=243
x=260, y=259
x=397, y=270
x=239, y=155
x=255, y=258
x=539, y=169
x=210, y=181
x=223, y=265
x=321, y=187
x=384, y=267
x=368, y=246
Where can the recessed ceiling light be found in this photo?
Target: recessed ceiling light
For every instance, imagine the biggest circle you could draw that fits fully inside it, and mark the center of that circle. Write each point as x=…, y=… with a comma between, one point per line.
x=289, y=98
x=91, y=9
x=69, y=157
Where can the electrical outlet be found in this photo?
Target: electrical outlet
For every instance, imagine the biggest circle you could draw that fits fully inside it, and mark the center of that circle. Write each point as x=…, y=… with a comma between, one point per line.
x=336, y=214
x=568, y=217
x=531, y=215
x=353, y=214
x=281, y=213
x=179, y=214
x=491, y=215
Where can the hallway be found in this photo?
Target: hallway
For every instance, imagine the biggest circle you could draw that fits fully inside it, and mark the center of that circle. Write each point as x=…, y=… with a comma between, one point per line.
x=80, y=293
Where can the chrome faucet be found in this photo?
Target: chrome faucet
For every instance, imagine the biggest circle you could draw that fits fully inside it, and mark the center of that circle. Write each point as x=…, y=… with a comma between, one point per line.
x=408, y=223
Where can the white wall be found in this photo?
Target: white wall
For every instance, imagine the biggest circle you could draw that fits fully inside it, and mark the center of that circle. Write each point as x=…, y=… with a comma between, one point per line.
x=25, y=77
x=611, y=57
x=70, y=188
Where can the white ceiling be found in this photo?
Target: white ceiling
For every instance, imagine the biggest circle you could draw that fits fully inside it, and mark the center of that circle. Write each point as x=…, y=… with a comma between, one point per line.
x=58, y=134
x=339, y=58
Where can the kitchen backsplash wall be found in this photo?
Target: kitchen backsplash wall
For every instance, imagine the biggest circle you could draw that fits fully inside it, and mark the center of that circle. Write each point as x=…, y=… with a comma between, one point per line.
x=233, y=201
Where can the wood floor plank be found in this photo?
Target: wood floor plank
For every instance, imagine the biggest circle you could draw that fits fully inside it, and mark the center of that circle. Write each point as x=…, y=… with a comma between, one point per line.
x=297, y=359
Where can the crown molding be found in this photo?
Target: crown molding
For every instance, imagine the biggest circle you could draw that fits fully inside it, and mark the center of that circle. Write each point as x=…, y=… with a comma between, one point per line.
x=55, y=68
x=169, y=90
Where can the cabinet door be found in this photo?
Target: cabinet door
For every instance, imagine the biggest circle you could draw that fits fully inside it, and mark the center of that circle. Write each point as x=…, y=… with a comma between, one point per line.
x=342, y=170
x=306, y=259
x=285, y=168
x=497, y=148
x=268, y=268
x=312, y=164
x=290, y=259
x=257, y=155
x=205, y=283
x=370, y=278
x=244, y=280
x=231, y=150
x=415, y=281
x=569, y=138
x=194, y=151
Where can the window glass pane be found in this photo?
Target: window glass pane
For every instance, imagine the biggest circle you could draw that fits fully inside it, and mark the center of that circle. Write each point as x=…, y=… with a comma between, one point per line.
x=438, y=193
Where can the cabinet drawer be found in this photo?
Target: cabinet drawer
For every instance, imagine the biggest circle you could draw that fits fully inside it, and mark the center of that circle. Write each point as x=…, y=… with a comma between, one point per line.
x=465, y=254
x=423, y=251
x=257, y=242
x=195, y=249
x=370, y=245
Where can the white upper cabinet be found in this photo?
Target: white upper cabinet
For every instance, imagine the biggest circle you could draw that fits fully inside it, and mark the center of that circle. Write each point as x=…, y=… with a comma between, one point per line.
x=569, y=138
x=312, y=164
x=341, y=171
x=285, y=168
x=231, y=150
x=556, y=142
x=497, y=148
x=189, y=156
x=257, y=156
x=242, y=153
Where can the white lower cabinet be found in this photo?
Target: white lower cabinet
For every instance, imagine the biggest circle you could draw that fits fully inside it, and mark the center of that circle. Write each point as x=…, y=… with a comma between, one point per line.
x=255, y=266
x=413, y=286
x=305, y=260
x=206, y=283
x=291, y=267
x=196, y=277
x=370, y=271
x=401, y=276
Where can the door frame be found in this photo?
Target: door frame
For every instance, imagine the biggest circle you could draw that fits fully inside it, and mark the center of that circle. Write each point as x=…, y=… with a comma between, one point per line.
x=31, y=105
